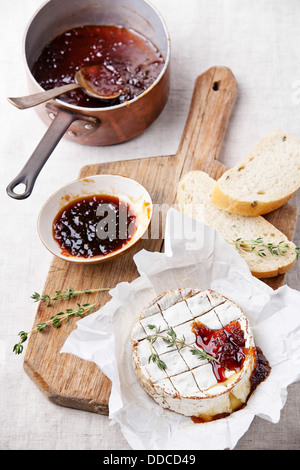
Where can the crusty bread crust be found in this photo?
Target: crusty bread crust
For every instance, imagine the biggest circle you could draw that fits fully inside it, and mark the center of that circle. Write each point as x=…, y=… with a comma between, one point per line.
x=262, y=181
x=250, y=209
x=194, y=199
x=274, y=272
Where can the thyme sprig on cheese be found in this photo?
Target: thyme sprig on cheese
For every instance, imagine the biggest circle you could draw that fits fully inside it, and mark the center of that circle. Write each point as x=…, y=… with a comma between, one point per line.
x=261, y=247
x=171, y=338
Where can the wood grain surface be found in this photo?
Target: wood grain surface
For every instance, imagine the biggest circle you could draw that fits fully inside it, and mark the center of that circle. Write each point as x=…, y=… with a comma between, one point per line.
x=66, y=379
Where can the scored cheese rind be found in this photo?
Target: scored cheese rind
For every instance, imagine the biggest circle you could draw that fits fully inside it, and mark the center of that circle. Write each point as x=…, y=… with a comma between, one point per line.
x=188, y=385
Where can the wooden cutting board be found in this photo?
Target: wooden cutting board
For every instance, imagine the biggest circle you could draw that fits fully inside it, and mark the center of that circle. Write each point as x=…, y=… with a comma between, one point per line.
x=66, y=379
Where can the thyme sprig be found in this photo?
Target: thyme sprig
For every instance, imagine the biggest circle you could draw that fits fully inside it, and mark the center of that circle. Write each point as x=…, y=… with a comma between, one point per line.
x=56, y=321
x=67, y=294
x=172, y=340
x=59, y=318
x=261, y=247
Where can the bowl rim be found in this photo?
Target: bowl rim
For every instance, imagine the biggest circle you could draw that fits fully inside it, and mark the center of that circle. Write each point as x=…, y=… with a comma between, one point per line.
x=102, y=258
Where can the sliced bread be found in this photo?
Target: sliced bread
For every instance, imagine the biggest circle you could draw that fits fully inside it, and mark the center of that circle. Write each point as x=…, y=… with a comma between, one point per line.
x=264, y=180
x=194, y=199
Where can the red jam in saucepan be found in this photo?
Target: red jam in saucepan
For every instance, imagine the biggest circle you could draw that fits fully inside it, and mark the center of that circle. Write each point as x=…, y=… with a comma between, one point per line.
x=125, y=53
x=94, y=226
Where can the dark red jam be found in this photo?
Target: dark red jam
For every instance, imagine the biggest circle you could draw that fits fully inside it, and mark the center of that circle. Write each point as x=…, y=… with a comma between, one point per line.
x=131, y=58
x=261, y=371
x=227, y=345
x=94, y=226
x=103, y=81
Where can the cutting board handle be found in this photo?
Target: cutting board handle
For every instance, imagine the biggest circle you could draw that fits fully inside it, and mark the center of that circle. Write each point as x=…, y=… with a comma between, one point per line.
x=212, y=102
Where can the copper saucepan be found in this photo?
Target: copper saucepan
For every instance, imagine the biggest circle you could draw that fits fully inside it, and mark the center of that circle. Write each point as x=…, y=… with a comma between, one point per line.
x=91, y=126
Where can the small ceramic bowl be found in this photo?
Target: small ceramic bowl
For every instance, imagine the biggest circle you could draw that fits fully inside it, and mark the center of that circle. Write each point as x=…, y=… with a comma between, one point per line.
x=125, y=189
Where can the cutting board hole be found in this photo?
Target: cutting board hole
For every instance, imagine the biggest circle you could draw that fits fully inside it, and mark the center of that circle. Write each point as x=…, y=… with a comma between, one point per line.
x=216, y=86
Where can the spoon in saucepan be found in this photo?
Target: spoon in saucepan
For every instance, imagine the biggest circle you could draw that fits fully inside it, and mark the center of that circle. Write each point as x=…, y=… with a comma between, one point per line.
x=97, y=81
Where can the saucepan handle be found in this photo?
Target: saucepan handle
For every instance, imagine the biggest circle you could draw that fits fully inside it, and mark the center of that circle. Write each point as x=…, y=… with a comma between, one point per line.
x=32, y=168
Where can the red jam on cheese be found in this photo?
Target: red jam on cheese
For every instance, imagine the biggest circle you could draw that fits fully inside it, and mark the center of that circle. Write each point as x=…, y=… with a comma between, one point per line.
x=227, y=345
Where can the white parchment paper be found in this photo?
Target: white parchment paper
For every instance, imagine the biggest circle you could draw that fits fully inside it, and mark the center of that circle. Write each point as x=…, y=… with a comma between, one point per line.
x=195, y=256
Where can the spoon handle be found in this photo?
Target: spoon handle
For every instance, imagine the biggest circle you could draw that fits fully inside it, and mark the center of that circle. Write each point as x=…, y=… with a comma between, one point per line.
x=24, y=102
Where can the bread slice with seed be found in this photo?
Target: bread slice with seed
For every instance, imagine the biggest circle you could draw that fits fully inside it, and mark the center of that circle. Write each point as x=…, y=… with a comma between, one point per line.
x=264, y=180
x=194, y=199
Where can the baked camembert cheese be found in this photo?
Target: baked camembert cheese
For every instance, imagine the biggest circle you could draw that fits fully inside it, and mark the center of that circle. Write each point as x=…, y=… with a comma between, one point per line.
x=194, y=353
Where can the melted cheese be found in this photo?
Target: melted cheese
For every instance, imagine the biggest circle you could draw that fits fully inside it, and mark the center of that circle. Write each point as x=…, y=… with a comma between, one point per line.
x=188, y=384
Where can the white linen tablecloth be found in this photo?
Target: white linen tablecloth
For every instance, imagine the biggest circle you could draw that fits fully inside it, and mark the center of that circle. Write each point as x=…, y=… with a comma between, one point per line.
x=259, y=40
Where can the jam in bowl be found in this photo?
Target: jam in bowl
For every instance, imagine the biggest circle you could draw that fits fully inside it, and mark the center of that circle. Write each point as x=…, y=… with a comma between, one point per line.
x=95, y=219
